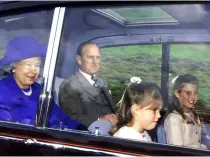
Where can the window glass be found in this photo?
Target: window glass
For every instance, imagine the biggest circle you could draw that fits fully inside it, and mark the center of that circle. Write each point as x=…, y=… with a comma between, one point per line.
x=24, y=40
x=136, y=44
x=120, y=63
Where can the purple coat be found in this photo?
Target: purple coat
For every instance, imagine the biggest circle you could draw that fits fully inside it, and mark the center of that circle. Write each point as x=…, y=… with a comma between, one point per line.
x=17, y=107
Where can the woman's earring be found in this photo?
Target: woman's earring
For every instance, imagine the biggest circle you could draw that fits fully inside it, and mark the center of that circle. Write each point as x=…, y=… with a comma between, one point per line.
x=13, y=70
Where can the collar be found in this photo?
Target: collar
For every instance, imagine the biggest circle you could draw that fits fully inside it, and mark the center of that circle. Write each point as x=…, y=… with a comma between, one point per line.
x=135, y=132
x=87, y=76
x=13, y=86
x=190, y=113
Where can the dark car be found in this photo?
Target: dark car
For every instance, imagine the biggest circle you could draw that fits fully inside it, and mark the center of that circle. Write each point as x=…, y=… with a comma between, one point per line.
x=153, y=41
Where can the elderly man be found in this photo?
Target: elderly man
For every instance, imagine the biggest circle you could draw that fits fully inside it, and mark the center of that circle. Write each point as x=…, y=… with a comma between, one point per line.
x=83, y=96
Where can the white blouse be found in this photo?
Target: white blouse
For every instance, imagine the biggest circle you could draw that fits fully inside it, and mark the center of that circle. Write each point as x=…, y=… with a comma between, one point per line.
x=131, y=133
x=182, y=134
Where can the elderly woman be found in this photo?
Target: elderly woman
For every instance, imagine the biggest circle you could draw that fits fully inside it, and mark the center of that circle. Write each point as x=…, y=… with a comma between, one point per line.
x=19, y=93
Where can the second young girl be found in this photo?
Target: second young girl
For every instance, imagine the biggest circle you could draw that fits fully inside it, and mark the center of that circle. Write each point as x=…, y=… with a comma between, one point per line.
x=139, y=111
x=182, y=123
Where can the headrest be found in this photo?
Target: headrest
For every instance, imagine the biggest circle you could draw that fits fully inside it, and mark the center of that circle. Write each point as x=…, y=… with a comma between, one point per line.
x=104, y=126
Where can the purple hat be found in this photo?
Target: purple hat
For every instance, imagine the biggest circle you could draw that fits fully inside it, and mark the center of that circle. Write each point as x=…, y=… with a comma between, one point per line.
x=22, y=48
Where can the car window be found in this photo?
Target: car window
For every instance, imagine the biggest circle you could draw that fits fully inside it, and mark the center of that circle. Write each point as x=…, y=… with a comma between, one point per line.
x=153, y=43
x=120, y=63
x=23, y=37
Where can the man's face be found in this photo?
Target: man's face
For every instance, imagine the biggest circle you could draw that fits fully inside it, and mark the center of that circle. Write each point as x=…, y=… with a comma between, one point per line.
x=89, y=60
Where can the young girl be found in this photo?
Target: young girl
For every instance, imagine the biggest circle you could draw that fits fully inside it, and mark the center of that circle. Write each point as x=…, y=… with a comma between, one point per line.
x=139, y=111
x=182, y=124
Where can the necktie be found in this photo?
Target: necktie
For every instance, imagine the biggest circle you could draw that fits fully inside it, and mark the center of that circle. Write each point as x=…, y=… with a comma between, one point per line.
x=96, y=82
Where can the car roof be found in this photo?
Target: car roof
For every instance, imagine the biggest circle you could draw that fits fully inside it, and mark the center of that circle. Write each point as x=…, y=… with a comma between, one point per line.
x=111, y=29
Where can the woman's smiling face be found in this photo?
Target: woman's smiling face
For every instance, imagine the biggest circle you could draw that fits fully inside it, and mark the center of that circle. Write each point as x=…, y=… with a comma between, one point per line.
x=27, y=71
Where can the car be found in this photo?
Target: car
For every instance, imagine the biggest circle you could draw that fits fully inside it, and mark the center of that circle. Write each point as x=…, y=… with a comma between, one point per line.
x=155, y=41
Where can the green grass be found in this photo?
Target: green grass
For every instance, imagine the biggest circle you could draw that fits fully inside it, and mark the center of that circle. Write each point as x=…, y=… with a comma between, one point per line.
x=199, y=52
x=121, y=63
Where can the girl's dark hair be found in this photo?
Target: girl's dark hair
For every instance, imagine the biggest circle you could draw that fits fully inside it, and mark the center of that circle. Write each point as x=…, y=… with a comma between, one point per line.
x=134, y=94
x=175, y=105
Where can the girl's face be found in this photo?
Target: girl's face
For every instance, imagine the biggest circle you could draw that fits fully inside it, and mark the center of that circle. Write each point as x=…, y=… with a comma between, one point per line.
x=188, y=95
x=147, y=117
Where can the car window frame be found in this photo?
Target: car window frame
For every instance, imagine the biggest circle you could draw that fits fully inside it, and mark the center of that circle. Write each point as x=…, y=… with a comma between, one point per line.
x=49, y=68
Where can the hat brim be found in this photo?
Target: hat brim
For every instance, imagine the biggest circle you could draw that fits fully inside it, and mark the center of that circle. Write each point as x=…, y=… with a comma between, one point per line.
x=39, y=52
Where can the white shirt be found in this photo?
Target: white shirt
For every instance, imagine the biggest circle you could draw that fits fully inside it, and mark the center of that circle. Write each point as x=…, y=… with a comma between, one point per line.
x=131, y=133
x=87, y=76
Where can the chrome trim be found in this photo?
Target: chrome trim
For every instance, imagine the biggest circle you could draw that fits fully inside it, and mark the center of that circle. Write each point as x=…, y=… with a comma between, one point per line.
x=59, y=146
x=51, y=45
x=55, y=50
x=43, y=95
x=103, y=13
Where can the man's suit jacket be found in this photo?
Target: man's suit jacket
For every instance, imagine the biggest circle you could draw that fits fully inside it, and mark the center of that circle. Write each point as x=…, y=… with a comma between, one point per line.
x=82, y=101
